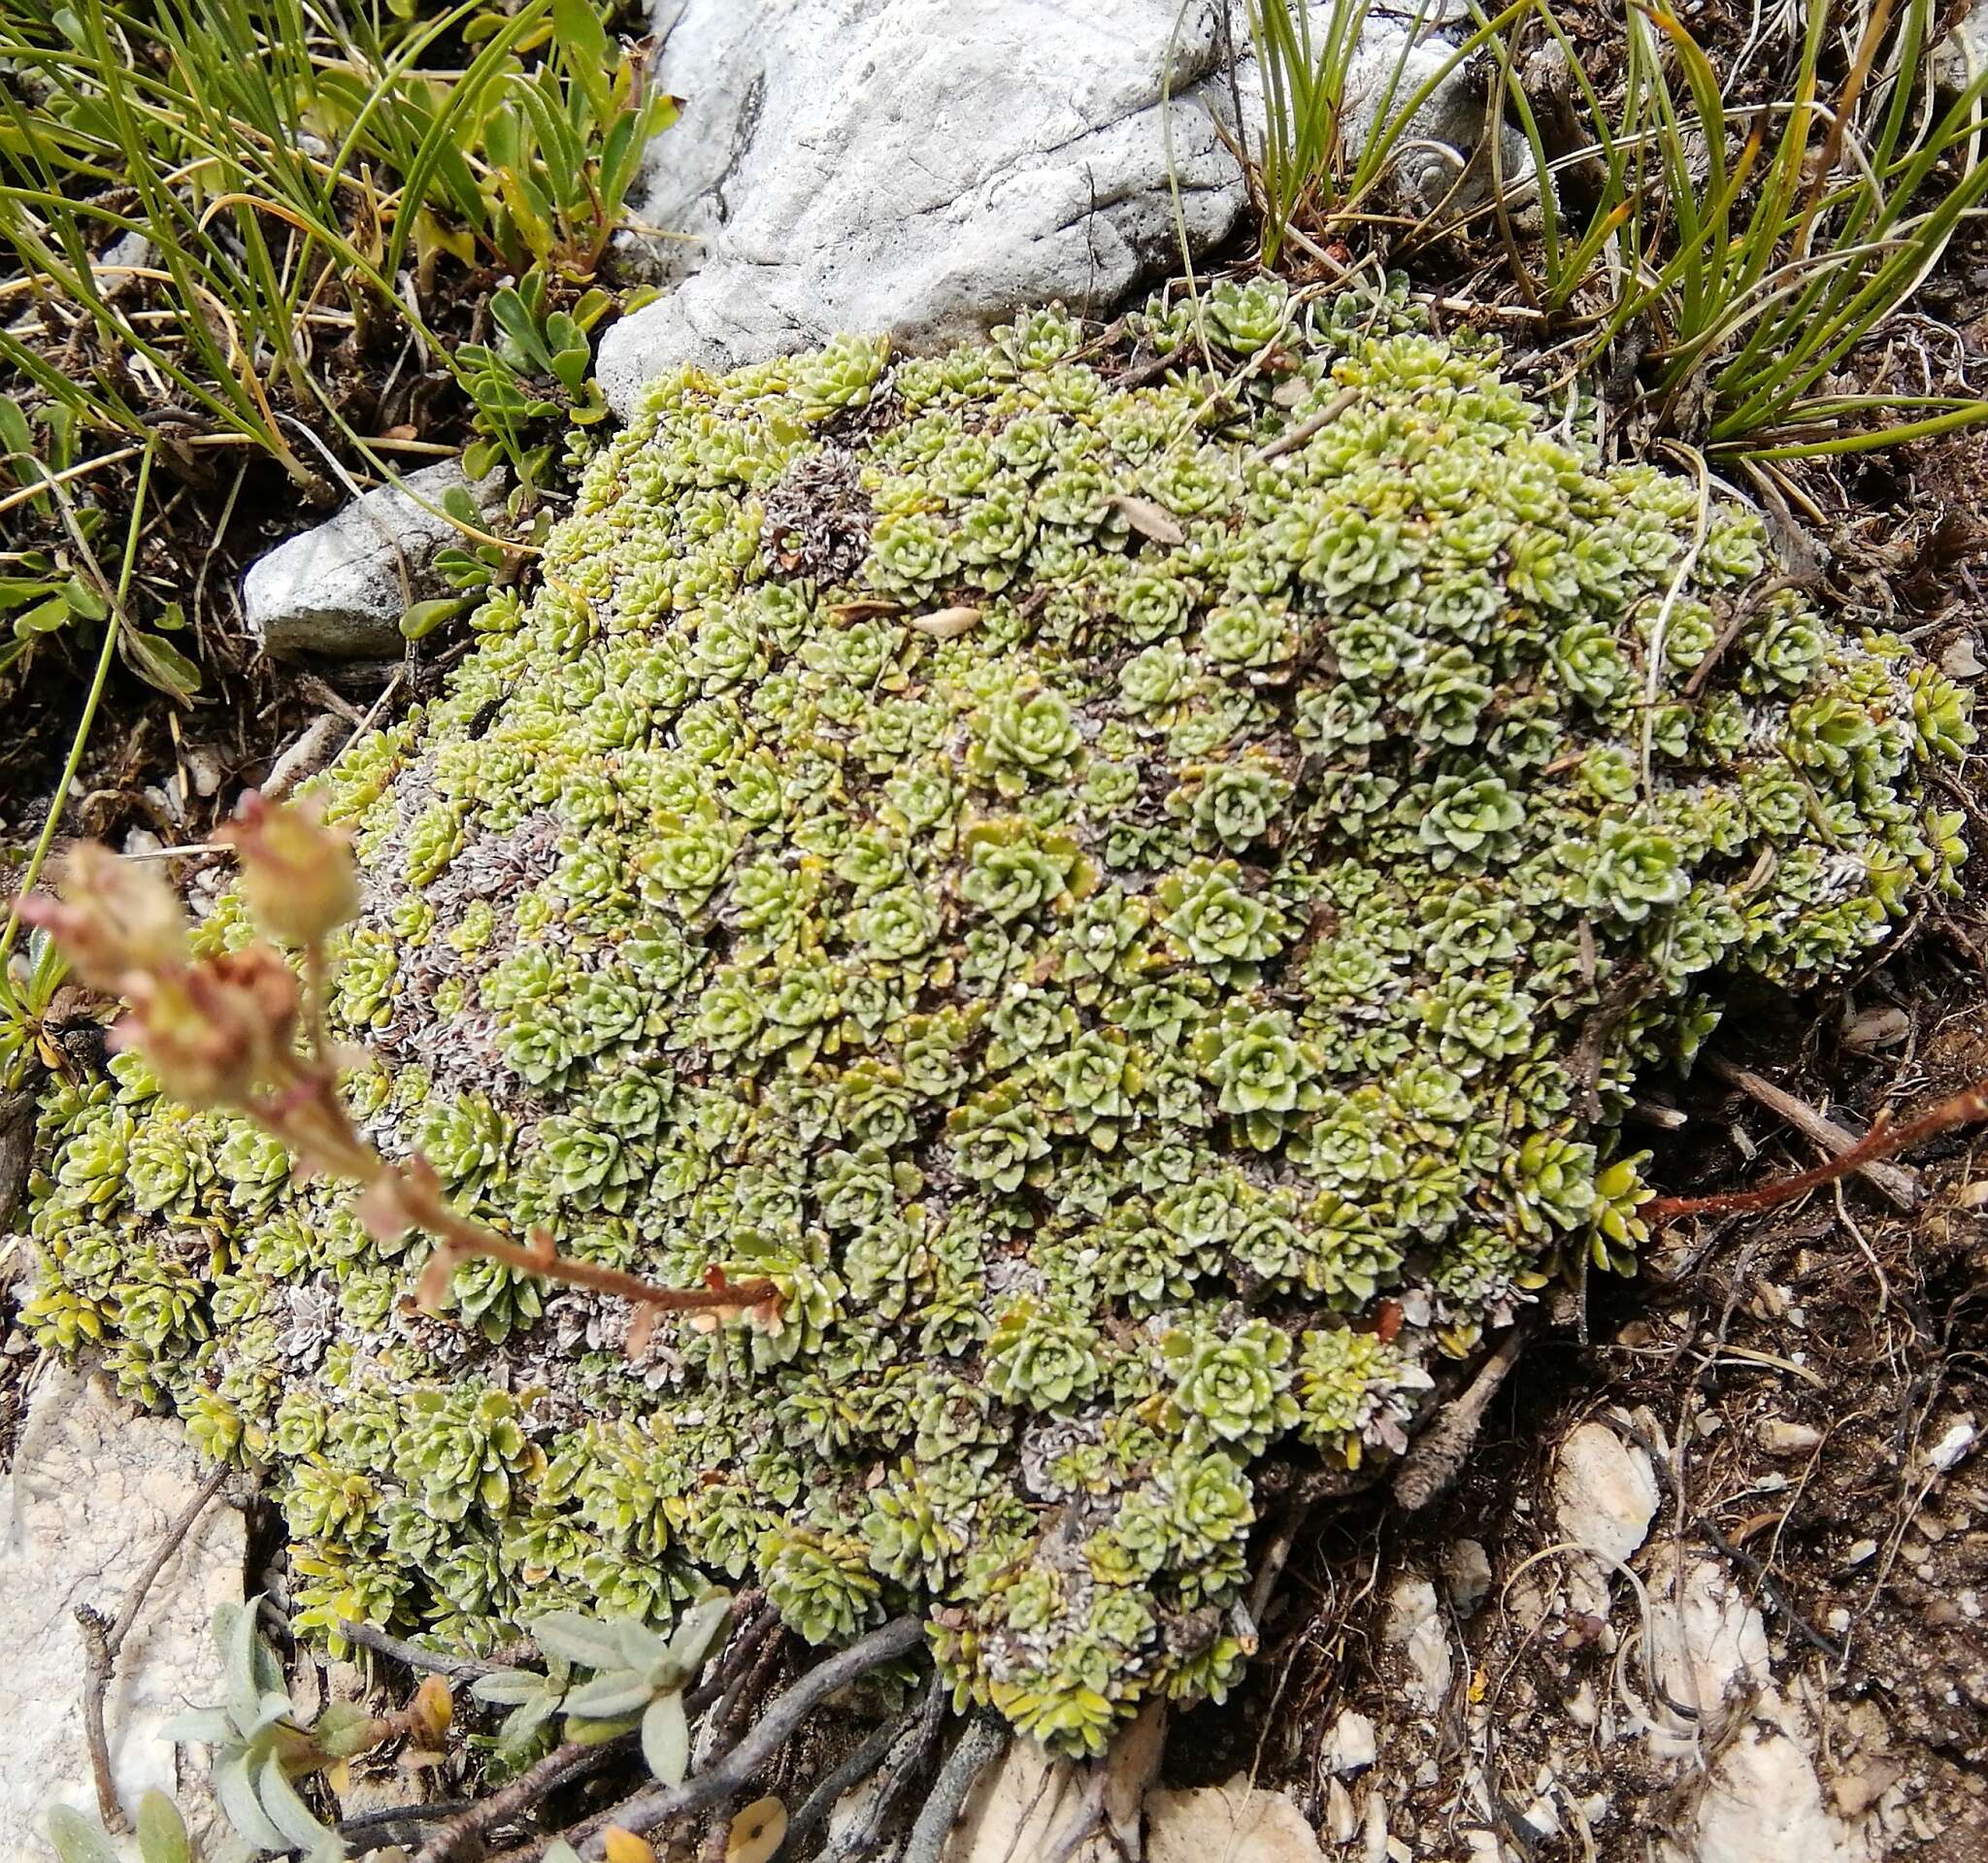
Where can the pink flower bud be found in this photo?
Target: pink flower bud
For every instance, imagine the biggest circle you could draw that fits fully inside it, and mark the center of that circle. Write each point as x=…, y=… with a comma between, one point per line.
x=297, y=875
x=115, y=917
x=218, y=1032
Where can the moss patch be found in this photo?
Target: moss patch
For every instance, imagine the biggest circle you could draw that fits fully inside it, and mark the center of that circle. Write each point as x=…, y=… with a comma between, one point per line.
x=1089, y=899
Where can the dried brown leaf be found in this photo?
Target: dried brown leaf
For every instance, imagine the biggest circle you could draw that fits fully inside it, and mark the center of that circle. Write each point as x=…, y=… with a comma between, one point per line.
x=1153, y=521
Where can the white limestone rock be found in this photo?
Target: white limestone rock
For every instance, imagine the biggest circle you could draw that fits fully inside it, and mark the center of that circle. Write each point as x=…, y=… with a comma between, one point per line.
x=1352, y=1745
x=1761, y=1804
x=339, y=592
x=919, y=168
x=1417, y=1626
x=1963, y=55
x=1465, y=1575
x=91, y=1493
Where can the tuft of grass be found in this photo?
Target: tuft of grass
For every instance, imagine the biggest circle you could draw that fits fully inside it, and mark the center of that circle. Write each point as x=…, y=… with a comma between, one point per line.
x=1312, y=178
x=241, y=224
x=1304, y=79
x=1758, y=246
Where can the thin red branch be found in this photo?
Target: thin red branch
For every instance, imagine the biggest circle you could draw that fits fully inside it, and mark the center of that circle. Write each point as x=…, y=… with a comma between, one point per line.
x=1885, y=1140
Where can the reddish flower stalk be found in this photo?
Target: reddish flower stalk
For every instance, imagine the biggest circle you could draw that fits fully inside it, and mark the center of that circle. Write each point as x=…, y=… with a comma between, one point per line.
x=224, y=1032
x=1884, y=1140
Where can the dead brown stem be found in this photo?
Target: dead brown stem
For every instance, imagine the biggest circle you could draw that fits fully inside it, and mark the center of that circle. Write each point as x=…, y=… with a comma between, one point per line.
x=1433, y=1464
x=1290, y=441
x=304, y=1110
x=982, y=1742
x=563, y=1763
x=435, y=1661
x=1736, y=625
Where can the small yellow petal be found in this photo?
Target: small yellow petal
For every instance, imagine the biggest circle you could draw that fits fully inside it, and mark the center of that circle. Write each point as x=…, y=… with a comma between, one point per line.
x=757, y=1832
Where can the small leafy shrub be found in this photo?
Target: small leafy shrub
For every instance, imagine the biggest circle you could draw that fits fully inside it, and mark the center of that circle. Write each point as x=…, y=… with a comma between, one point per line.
x=637, y=1685
x=1135, y=909
x=537, y=375
x=260, y=1754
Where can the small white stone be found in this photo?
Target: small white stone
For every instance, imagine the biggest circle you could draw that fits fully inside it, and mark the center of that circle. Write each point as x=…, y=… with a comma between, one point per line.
x=1342, y=1820
x=340, y=590
x=1416, y=1625
x=205, y=769
x=1763, y=1804
x=1707, y=1643
x=1374, y=1830
x=1541, y=1818
x=1604, y=1492
x=1351, y=1745
x=1856, y=1791
x=1962, y=53
x=1958, y=1440
x=1467, y=1574
x=315, y=746
x=1778, y=1436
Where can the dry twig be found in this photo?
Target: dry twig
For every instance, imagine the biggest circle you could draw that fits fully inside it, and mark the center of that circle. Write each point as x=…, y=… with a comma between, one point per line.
x=982, y=1742
x=395, y=1823
x=455, y=1668
x=846, y=1778
x=102, y=1637
x=1290, y=441
x=1898, y=1183
x=1433, y=1464
x=562, y=1765
x=900, y=1763
x=1885, y=1140
x=1736, y=625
